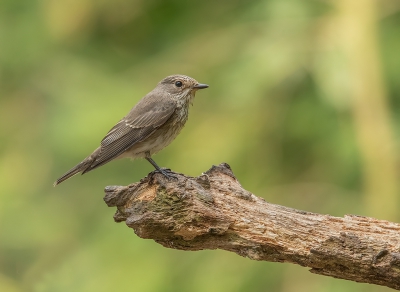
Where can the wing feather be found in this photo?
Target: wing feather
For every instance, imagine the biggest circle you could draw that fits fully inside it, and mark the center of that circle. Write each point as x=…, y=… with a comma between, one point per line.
x=148, y=115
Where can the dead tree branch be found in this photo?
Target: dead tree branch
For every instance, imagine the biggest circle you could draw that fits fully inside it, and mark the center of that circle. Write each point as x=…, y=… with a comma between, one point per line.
x=213, y=211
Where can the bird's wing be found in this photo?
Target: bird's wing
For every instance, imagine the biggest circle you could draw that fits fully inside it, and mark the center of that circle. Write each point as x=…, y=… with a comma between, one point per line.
x=148, y=115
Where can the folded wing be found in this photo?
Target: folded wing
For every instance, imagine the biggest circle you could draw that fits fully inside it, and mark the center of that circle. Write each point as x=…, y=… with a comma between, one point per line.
x=142, y=121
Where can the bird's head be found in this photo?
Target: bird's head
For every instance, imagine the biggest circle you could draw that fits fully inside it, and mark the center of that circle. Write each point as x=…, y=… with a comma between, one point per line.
x=180, y=86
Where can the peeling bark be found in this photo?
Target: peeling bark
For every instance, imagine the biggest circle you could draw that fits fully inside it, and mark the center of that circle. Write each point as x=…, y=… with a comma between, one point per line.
x=214, y=211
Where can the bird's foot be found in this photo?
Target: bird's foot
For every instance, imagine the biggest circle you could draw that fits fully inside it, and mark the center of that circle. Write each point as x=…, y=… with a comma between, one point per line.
x=167, y=173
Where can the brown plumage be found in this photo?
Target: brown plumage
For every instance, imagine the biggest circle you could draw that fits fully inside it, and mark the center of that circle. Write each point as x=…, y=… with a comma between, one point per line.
x=151, y=125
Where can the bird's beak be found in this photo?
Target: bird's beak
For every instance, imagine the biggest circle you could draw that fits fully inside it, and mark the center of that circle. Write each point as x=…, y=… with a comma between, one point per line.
x=200, y=86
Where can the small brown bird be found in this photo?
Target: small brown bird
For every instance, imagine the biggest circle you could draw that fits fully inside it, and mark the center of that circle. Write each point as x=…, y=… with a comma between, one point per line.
x=152, y=124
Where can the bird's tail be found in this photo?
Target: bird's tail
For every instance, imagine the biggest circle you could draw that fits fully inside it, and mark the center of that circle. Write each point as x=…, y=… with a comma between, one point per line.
x=75, y=170
x=81, y=167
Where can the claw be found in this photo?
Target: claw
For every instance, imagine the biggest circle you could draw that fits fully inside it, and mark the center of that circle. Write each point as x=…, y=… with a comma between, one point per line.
x=165, y=171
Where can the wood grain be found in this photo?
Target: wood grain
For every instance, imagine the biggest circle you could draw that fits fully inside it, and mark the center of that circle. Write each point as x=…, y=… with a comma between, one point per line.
x=214, y=211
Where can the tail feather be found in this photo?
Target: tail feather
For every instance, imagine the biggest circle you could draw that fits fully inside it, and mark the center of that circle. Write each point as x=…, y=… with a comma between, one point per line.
x=75, y=170
x=82, y=167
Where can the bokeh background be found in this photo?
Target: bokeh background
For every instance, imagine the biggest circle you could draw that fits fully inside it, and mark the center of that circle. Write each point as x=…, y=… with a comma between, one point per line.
x=303, y=104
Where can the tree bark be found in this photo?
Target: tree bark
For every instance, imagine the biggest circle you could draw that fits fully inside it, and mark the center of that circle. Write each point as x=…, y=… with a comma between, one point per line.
x=214, y=211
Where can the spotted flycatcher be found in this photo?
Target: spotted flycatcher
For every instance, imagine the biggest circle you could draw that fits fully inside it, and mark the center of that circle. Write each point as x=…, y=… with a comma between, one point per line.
x=152, y=124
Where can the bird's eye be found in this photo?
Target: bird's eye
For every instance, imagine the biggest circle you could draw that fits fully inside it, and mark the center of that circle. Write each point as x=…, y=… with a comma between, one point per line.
x=178, y=84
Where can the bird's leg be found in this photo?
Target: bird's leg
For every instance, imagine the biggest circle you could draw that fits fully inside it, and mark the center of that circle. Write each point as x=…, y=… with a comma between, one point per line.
x=163, y=171
x=149, y=159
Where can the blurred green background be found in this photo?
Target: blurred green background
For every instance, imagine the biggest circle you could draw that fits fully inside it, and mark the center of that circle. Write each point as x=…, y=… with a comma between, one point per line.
x=303, y=104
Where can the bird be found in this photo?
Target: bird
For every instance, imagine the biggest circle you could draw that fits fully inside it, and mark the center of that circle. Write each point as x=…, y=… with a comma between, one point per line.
x=152, y=124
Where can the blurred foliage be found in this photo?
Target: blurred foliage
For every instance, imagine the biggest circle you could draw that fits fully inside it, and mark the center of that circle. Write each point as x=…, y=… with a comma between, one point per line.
x=303, y=104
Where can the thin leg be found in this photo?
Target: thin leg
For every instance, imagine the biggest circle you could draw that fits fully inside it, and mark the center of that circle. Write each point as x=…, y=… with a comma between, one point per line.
x=149, y=159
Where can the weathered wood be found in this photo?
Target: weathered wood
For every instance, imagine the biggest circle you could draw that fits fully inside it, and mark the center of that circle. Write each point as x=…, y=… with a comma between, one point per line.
x=214, y=211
